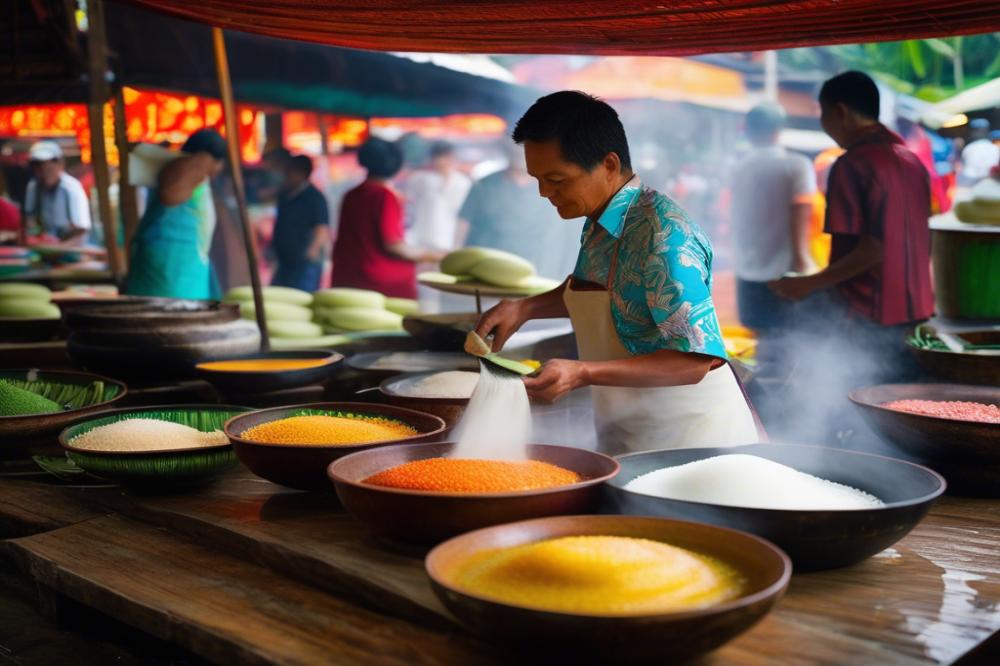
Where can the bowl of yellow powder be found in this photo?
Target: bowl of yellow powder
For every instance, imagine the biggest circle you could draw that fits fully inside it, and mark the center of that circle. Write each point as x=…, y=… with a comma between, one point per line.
x=270, y=371
x=154, y=449
x=292, y=446
x=609, y=589
x=424, y=494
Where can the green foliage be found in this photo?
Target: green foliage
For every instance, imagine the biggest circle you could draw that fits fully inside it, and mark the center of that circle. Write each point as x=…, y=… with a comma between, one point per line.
x=930, y=69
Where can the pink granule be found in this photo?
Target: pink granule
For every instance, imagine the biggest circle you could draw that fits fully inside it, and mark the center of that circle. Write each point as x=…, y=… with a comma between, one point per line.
x=947, y=409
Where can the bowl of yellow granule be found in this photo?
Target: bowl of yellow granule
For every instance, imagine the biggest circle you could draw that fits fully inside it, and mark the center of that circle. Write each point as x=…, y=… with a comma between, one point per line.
x=292, y=446
x=609, y=589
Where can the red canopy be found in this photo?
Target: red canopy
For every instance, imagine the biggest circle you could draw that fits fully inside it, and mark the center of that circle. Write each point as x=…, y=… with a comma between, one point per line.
x=608, y=27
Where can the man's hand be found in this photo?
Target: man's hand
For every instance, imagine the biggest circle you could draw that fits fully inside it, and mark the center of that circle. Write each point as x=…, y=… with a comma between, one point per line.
x=502, y=321
x=556, y=379
x=794, y=288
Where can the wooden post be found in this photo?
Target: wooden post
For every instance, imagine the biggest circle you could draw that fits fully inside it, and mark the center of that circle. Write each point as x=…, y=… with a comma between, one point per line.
x=128, y=203
x=324, y=141
x=233, y=142
x=97, y=60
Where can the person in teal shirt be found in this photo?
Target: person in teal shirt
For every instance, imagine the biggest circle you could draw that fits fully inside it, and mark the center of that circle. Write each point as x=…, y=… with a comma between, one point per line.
x=169, y=253
x=640, y=300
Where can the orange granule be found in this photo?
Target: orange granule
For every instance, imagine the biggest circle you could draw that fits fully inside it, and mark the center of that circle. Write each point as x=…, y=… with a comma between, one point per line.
x=328, y=430
x=459, y=475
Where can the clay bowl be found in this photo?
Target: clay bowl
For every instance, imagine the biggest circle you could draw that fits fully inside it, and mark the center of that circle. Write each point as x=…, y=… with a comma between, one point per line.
x=163, y=471
x=964, y=367
x=156, y=339
x=967, y=453
x=815, y=540
x=16, y=431
x=426, y=518
x=266, y=381
x=669, y=637
x=303, y=466
x=449, y=409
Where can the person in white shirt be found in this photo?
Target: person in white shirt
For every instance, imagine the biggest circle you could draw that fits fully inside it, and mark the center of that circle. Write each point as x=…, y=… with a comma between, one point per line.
x=981, y=156
x=772, y=198
x=55, y=204
x=434, y=196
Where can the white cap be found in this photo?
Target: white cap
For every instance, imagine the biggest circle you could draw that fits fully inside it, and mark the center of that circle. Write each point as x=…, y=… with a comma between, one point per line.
x=43, y=151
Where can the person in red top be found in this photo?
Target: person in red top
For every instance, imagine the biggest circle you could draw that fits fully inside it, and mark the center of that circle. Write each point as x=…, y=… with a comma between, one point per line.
x=370, y=252
x=878, y=205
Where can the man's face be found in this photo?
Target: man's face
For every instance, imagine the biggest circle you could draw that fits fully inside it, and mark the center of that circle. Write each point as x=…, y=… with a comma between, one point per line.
x=574, y=191
x=47, y=173
x=293, y=178
x=833, y=119
x=444, y=162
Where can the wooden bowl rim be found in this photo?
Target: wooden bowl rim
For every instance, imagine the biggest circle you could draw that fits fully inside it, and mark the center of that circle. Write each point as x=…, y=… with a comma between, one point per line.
x=942, y=484
x=385, y=384
x=64, y=441
x=337, y=478
x=122, y=390
x=855, y=397
x=370, y=407
x=773, y=589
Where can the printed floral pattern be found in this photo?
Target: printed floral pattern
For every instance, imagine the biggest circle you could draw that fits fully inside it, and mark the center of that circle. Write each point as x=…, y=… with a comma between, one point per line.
x=661, y=292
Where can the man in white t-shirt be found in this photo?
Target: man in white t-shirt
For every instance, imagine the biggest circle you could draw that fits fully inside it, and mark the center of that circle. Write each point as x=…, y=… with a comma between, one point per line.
x=433, y=198
x=55, y=204
x=772, y=198
x=981, y=156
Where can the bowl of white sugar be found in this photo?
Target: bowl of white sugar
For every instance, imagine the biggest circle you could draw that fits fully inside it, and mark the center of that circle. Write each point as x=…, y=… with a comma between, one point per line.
x=825, y=507
x=445, y=394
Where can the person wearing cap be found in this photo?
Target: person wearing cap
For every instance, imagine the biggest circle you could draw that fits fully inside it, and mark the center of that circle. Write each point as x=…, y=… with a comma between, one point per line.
x=772, y=204
x=169, y=256
x=55, y=204
x=980, y=156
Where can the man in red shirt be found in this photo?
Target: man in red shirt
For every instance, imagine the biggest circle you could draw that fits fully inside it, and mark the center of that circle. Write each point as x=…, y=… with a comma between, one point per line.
x=878, y=283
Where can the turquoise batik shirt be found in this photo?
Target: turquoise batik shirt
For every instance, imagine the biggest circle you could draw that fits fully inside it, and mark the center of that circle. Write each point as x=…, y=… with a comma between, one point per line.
x=661, y=292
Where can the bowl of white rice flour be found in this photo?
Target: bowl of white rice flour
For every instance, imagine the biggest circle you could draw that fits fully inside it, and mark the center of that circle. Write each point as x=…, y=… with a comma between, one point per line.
x=443, y=393
x=825, y=507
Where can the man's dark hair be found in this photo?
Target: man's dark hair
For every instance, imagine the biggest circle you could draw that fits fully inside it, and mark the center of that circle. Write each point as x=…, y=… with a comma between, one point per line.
x=586, y=128
x=383, y=159
x=853, y=89
x=440, y=148
x=279, y=155
x=302, y=164
x=206, y=141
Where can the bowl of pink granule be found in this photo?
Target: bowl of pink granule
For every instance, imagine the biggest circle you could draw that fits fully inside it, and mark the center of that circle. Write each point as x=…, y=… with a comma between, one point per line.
x=952, y=428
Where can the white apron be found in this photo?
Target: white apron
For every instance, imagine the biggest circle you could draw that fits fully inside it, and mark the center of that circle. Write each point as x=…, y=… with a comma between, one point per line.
x=713, y=412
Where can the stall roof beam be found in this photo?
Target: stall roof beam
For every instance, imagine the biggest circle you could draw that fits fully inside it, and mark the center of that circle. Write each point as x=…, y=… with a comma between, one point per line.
x=649, y=27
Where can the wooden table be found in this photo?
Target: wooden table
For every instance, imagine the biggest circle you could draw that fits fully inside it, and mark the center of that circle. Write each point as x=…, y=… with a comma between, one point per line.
x=247, y=571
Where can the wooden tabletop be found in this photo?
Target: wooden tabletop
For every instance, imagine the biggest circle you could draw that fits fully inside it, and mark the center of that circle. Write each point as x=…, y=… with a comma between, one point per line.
x=247, y=571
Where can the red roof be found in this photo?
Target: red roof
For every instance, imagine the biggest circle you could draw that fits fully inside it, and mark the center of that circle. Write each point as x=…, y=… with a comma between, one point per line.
x=608, y=27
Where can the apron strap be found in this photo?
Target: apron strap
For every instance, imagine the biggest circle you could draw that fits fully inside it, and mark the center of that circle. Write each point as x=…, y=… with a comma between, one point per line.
x=761, y=432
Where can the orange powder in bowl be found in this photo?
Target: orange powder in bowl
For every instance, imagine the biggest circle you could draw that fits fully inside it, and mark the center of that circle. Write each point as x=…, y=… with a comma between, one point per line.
x=264, y=364
x=328, y=430
x=461, y=475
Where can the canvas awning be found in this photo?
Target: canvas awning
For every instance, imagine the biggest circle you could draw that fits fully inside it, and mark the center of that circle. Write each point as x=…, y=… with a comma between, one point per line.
x=985, y=96
x=639, y=27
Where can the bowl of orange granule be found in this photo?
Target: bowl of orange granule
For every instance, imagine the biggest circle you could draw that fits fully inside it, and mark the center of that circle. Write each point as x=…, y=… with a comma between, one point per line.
x=420, y=494
x=292, y=446
x=952, y=428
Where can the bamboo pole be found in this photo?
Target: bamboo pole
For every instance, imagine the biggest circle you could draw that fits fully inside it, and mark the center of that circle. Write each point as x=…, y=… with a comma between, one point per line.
x=97, y=61
x=128, y=203
x=233, y=142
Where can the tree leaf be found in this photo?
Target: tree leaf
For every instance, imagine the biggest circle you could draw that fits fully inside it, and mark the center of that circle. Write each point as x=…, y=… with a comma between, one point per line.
x=916, y=57
x=941, y=47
